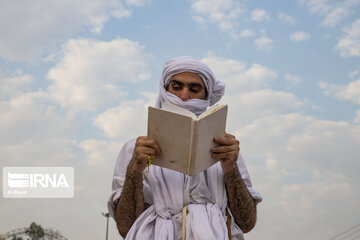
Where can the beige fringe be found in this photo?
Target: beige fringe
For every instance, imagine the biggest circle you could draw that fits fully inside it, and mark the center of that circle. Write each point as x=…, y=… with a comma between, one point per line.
x=184, y=213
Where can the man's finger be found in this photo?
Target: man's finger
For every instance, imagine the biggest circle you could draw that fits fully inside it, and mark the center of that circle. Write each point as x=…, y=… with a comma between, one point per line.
x=149, y=151
x=220, y=149
x=226, y=140
x=228, y=155
x=148, y=142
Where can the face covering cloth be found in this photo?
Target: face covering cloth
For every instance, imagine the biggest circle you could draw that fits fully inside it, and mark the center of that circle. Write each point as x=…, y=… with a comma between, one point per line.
x=215, y=87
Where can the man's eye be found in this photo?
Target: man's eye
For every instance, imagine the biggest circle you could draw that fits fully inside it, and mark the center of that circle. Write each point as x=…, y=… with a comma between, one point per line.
x=195, y=90
x=176, y=87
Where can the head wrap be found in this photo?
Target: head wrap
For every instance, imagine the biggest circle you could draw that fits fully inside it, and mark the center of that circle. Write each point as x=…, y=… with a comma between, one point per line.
x=214, y=87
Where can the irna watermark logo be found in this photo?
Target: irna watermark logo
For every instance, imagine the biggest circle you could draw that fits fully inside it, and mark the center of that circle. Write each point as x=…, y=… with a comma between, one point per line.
x=38, y=182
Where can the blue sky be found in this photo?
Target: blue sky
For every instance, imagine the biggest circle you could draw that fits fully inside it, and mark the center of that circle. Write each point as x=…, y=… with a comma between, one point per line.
x=77, y=77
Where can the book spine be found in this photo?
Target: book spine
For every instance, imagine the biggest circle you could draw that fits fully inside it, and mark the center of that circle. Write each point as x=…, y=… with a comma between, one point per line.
x=195, y=147
x=192, y=147
x=189, y=160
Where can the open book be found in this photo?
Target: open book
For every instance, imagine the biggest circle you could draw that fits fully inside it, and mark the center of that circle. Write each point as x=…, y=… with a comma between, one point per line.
x=185, y=140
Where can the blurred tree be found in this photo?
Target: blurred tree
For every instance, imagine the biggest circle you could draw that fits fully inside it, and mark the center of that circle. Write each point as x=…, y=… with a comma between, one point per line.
x=16, y=238
x=35, y=232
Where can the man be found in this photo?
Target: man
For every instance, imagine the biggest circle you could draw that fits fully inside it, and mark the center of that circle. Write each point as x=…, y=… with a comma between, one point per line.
x=148, y=203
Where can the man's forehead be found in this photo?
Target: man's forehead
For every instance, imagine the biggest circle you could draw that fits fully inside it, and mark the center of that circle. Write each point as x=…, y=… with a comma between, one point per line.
x=188, y=78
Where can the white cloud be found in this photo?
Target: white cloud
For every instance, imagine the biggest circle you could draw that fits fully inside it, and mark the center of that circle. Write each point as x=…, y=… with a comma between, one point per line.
x=247, y=106
x=330, y=89
x=100, y=152
x=127, y=120
x=28, y=116
x=30, y=29
x=199, y=19
x=271, y=163
x=90, y=73
x=259, y=15
x=354, y=73
x=263, y=31
x=41, y=150
x=281, y=146
x=332, y=11
x=316, y=6
x=357, y=117
x=264, y=43
x=138, y=3
x=35, y=133
x=237, y=77
x=299, y=36
x=349, y=45
x=246, y=33
x=248, y=92
x=213, y=6
x=336, y=15
x=15, y=84
x=98, y=24
x=283, y=149
x=302, y=143
x=223, y=13
x=332, y=140
x=292, y=79
x=349, y=92
x=309, y=204
x=286, y=18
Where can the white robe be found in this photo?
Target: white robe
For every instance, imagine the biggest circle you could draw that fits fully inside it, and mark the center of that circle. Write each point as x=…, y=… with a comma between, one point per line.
x=168, y=191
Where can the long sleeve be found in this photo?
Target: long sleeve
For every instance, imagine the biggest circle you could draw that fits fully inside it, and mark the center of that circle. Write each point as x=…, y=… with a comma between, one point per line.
x=240, y=201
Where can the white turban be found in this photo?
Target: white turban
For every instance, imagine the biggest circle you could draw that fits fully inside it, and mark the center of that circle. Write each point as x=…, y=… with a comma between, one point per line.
x=214, y=87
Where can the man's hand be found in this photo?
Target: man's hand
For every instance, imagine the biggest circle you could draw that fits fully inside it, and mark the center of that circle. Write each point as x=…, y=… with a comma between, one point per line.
x=144, y=147
x=227, y=152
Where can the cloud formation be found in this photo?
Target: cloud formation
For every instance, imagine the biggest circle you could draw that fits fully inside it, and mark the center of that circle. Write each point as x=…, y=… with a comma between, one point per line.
x=237, y=76
x=249, y=88
x=223, y=13
x=283, y=17
x=299, y=36
x=292, y=79
x=15, y=84
x=31, y=29
x=129, y=120
x=264, y=43
x=333, y=12
x=246, y=33
x=349, y=92
x=259, y=15
x=99, y=151
x=349, y=45
x=90, y=73
x=281, y=145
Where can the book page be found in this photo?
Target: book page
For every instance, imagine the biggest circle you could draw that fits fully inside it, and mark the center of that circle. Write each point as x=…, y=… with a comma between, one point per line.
x=176, y=109
x=210, y=111
x=208, y=127
x=172, y=132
